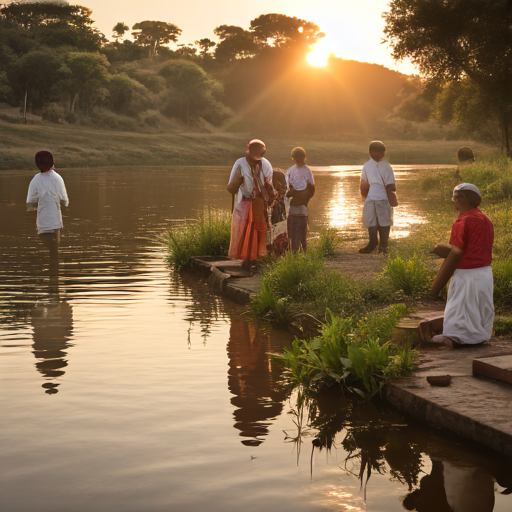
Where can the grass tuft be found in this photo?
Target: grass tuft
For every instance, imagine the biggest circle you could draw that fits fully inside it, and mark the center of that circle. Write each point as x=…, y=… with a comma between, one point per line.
x=209, y=235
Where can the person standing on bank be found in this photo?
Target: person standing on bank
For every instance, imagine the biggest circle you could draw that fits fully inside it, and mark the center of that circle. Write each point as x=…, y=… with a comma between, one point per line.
x=250, y=184
x=378, y=188
x=469, y=312
x=47, y=194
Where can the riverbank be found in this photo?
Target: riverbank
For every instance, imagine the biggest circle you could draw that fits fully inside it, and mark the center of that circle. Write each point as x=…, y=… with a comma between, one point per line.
x=80, y=146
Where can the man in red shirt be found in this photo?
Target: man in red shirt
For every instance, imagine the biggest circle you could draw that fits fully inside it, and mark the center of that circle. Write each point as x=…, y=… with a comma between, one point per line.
x=469, y=312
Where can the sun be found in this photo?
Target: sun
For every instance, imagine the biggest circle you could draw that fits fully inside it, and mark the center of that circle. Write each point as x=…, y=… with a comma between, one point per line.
x=321, y=52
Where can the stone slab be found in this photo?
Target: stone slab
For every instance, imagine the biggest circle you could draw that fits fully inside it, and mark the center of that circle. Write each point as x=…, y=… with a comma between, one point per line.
x=477, y=408
x=497, y=368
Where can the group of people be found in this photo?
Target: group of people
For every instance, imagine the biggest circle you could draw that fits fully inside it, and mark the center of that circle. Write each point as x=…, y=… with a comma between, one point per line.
x=259, y=192
x=270, y=214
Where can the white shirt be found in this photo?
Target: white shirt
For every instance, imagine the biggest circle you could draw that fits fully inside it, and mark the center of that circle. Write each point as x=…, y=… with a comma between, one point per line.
x=47, y=189
x=377, y=174
x=299, y=177
x=247, y=185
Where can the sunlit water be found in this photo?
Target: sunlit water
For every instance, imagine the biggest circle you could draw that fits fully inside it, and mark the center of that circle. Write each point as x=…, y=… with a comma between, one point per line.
x=124, y=387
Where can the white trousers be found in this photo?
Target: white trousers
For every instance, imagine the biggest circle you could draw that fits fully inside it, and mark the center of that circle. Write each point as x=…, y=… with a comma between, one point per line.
x=469, y=312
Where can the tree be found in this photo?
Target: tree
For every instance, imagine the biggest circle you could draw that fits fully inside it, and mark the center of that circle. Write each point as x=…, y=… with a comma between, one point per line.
x=127, y=96
x=281, y=30
x=236, y=43
x=154, y=34
x=458, y=39
x=25, y=77
x=204, y=46
x=119, y=31
x=31, y=15
x=86, y=76
x=192, y=92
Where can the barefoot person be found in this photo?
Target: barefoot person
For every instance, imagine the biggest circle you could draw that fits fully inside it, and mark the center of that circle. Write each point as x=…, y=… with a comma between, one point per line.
x=250, y=183
x=469, y=313
x=47, y=194
x=377, y=180
x=301, y=188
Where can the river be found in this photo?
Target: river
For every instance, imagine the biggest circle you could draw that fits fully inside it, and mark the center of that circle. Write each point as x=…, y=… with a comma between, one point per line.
x=126, y=387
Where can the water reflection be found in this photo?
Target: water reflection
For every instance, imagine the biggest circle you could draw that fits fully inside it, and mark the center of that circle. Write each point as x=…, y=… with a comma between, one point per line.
x=375, y=440
x=253, y=379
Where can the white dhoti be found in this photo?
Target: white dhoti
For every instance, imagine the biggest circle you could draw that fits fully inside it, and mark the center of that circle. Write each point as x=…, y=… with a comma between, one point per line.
x=469, y=312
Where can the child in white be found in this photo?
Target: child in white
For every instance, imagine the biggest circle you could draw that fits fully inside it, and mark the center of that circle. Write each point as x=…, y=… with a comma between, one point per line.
x=301, y=188
x=46, y=194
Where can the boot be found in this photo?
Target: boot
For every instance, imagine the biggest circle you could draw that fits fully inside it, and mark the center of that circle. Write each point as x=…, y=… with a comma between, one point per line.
x=373, y=234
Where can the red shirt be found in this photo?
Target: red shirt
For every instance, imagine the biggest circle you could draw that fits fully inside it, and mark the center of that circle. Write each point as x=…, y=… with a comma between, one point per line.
x=473, y=232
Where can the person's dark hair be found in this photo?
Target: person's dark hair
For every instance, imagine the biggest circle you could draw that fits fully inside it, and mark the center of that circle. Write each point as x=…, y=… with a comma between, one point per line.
x=44, y=160
x=473, y=198
x=376, y=146
x=299, y=154
x=465, y=154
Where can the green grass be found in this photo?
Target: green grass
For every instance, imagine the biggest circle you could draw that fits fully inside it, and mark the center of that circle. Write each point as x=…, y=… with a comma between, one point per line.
x=77, y=146
x=209, y=235
x=302, y=283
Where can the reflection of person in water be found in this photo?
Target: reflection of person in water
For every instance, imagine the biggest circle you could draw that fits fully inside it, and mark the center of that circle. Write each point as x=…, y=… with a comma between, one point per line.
x=452, y=488
x=52, y=324
x=252, y=379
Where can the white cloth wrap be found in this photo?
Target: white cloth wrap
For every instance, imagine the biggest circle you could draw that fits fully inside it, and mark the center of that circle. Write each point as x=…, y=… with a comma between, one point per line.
x=377, y=213
x=247, y=186
x=469, y=312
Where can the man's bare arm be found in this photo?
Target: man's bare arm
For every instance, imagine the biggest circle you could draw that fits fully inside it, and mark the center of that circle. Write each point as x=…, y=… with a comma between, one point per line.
x=446, y=271
x=235, y=183
x=364, y=188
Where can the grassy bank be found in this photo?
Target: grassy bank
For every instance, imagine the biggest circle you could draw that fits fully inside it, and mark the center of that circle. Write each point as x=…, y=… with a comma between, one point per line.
x=80, y=146
x=354, y=347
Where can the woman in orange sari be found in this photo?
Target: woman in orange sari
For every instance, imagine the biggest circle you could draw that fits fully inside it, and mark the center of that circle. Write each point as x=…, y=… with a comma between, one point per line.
x=250, y=184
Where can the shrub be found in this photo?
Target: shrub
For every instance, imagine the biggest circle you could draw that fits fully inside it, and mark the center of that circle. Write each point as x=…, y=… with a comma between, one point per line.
x=209, y=235
x=410, y=276
x=327, y=243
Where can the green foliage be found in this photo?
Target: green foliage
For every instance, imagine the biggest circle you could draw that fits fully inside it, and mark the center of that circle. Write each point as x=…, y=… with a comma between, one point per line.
x=502, y=325
x=327, y=242
x=209, y=235
x=127, y=96
x=410, y=276
x=356, y=354
x=301, y=282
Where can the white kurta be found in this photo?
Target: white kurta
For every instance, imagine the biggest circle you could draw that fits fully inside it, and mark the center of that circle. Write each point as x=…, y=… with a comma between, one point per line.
x=469, y=312
x=47, y=189
x=248, y=184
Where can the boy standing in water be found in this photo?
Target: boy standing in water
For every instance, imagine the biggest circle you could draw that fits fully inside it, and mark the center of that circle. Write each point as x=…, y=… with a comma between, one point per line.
x=301, y=188
x=47, y=194
x=377, y=178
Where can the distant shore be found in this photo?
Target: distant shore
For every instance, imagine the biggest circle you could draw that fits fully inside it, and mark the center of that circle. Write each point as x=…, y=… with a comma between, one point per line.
x=80, y=146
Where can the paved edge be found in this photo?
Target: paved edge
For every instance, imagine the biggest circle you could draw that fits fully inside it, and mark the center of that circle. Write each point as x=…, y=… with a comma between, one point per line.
x=439, y=416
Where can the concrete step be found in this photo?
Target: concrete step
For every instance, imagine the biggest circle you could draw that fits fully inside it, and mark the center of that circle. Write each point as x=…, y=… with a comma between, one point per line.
x=497, y=368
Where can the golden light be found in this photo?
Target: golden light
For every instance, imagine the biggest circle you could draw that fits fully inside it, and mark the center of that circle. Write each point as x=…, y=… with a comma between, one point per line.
x=321, y=53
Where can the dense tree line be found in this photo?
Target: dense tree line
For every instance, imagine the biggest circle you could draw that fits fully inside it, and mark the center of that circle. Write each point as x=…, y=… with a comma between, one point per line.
x=53, y=61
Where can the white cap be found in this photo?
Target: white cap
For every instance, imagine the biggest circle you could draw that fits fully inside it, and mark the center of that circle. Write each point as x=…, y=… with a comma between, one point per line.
x=467, y=186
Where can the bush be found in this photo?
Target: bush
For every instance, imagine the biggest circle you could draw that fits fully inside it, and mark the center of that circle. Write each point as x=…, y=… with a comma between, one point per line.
x=410, y=276
x=327, y=243
x=209, y=235
x=354, y=354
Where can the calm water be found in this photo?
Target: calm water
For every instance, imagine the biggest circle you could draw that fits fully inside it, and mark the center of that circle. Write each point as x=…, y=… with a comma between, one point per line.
x=124, y=387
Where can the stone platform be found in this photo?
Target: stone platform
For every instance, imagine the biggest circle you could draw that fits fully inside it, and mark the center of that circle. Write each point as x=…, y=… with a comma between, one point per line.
x=473, y=406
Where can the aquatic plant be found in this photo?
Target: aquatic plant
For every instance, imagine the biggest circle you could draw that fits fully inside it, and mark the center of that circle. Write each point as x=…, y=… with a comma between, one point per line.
x=356, y=354
x=208, y=235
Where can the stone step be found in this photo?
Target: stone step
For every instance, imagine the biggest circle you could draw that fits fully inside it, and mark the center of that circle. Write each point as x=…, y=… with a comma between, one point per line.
x=497, y=368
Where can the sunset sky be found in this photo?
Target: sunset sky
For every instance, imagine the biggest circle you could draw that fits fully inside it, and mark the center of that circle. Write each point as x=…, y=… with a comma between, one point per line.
x=353, y=27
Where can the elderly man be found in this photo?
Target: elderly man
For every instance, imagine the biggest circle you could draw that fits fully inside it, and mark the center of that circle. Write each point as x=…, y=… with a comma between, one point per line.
x=250, y=184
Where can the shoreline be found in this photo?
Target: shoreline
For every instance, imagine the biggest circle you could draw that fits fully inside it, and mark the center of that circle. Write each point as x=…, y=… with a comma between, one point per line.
x=476, y=408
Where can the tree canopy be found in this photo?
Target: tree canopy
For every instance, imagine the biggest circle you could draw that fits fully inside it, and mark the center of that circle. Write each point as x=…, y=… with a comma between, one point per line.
x=154, y=34
x=459, y=39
